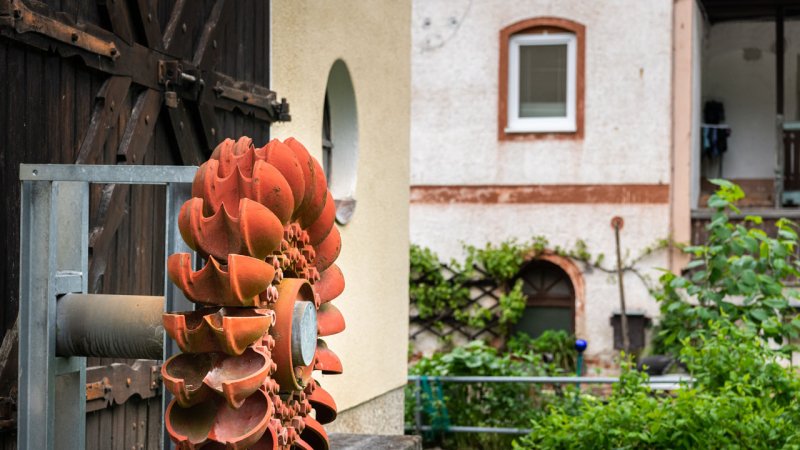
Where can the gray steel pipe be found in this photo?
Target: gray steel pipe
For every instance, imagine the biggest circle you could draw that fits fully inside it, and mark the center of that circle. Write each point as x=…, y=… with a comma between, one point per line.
x=110, y=326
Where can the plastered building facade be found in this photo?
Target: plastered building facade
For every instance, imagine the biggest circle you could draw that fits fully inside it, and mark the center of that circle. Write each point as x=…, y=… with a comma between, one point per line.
x=369, y=47
x=634, y=80
x=474, y=185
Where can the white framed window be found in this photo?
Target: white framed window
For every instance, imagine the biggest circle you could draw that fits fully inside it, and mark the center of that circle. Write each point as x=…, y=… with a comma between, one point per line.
x=542, y=83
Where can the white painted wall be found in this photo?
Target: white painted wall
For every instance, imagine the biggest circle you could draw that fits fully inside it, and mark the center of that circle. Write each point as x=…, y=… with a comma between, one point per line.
x=562, y=225
x=455, y=88
x=747, y=89
x=627, y=136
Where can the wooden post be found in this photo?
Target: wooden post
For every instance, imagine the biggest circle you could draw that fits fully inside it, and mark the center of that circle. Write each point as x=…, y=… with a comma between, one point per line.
x=617, y=224
x=779, y=102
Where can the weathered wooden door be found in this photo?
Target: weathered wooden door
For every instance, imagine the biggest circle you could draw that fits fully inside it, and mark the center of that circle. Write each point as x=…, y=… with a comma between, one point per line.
x=122, y=82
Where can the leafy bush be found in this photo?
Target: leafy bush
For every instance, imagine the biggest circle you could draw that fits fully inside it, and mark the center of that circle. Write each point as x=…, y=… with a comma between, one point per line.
x=742, y=397
x=554, y=346
x=741, y=272
x=722, y=320
x=488, y=404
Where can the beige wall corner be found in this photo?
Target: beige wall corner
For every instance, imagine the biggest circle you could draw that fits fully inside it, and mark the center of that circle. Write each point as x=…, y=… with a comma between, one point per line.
x=683, y=111
x=380, y=415
x=373, y=40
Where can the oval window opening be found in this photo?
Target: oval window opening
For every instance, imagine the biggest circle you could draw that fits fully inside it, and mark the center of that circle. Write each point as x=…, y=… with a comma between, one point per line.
x=340, y=140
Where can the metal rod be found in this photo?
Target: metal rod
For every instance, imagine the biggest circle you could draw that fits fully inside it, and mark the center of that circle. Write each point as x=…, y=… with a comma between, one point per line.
x=779, y=104
x=121, y=174
x=465, y=429
x=541, y=380
x=110, y=326
x=626, y=342
x=779, y=59
x=418, y=405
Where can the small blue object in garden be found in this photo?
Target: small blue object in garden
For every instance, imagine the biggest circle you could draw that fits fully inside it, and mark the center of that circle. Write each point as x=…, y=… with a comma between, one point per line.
x=580, y=346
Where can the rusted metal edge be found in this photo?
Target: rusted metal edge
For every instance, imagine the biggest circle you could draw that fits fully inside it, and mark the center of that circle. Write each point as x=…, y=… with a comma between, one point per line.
x=25, y=20
x=250, y=99
x=116, y=383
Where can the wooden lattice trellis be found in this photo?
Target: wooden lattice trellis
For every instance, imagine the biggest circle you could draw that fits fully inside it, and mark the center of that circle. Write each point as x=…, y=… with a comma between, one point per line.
x=484, y=292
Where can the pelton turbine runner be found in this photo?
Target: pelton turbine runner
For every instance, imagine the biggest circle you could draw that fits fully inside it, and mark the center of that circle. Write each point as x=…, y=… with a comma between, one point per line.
x=263, y=220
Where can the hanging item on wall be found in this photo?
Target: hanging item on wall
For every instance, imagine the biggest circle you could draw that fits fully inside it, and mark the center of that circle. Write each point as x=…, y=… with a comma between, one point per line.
x=714, y=133
x=263, y=221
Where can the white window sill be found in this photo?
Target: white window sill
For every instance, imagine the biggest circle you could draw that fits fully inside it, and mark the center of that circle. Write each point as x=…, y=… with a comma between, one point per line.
x=510, y=130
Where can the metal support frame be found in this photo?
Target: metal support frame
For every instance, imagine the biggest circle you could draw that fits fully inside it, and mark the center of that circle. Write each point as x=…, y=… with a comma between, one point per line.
x=54, y=260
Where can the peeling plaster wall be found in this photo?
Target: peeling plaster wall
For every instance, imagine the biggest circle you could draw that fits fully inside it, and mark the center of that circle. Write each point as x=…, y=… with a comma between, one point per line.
x=455, y=87
x=627, y=137
x=562, y=225
x=374, y=43
x=747, y=50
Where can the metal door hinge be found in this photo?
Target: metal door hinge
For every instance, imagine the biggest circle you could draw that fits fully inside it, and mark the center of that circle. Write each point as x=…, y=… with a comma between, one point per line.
x=116, y=383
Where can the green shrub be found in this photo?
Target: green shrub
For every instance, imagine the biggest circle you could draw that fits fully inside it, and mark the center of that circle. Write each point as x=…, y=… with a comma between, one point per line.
x=742, y=397
x=741, y=272
x=730, y=322
x=488, y=404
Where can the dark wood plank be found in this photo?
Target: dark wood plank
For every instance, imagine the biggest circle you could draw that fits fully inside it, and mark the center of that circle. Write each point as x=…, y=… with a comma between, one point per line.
x=119, y=17
x=108, y=104
x=6, y=163
x=208, y=125
x=147, y=12
x=139, y=130
x=171, y=39
x=119, y=428
x=186, y=137
x=260, y=62
x=153, y=423
x=207, y=50
x=112, y=210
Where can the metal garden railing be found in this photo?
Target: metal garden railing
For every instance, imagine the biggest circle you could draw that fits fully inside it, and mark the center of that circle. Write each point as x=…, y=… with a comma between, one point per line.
x=661, y=382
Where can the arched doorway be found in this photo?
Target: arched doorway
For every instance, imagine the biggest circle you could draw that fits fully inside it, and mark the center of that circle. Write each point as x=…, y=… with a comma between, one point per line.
x=550, y=299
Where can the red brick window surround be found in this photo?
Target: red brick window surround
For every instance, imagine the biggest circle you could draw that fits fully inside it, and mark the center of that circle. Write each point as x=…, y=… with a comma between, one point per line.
x=548, y=37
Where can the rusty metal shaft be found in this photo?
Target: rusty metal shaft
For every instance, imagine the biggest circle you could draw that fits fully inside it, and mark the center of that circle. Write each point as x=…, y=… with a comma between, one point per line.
x=110, y=326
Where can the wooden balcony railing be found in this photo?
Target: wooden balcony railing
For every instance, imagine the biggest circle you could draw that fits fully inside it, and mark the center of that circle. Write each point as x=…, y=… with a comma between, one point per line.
x=702, y=217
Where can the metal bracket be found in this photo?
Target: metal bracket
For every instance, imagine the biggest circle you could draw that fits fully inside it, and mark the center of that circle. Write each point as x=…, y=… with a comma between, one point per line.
x=246, y=96
x=115, y=384
x=23, y=19
x=171, y=72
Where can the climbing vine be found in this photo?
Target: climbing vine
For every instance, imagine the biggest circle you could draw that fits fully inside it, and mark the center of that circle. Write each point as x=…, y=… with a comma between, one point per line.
x=449, y=293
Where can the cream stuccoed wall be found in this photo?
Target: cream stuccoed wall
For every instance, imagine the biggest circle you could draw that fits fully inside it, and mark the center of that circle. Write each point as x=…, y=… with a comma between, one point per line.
x=455, y=87
x=373, y=39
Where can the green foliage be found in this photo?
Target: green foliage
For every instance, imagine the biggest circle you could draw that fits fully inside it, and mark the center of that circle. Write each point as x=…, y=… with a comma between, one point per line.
x=436, y=292
x=490, y=404
x=740, y=272
x=742, y=397
x=555, y=346
x=433, y=294
x=512, y=305
x=429, y=290
x=502, y=262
